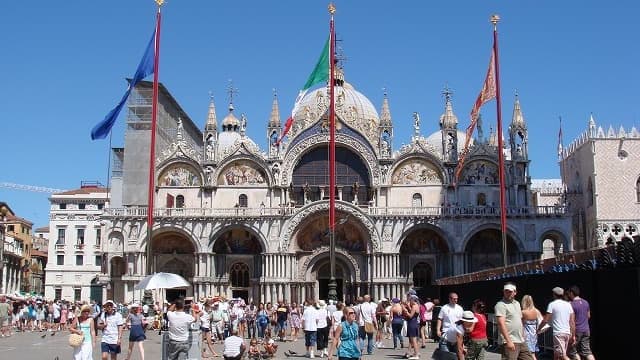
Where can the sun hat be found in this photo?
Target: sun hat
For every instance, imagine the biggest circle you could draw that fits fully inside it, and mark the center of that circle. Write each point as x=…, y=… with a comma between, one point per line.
x=109, y=302
x=558, y=291
x=321, y=303
x=85, y=308
x=468, y=316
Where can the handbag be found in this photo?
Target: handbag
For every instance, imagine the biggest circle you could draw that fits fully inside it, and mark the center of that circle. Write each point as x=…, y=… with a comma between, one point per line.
x=368, y=326
x=75, y=340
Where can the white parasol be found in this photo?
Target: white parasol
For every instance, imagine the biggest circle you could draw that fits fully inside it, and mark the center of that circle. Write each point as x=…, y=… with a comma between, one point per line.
x=162, y=280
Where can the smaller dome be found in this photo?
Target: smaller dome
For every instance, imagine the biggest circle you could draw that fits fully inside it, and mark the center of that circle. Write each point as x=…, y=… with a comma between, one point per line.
x=226, y=139
x=230, y=119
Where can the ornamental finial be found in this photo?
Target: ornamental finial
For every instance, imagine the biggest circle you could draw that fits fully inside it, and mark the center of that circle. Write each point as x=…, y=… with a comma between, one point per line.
x=332, y=9
x=495, y=18
x=159, y=2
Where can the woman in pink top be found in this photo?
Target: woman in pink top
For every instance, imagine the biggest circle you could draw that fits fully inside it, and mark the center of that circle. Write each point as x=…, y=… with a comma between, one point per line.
x=478, y=336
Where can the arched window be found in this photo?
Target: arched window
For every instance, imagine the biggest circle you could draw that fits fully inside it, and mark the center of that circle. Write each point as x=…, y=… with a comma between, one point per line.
x=239, y=275
x=638, y=190
x=179, y=201
x=242, y=200
x=416, y=201
x=590, y=192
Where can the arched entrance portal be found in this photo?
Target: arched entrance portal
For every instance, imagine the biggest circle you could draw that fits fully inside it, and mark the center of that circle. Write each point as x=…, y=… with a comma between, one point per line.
x=173, y=252
x=115, y=289
x=424, y=253
x=323, y=274
x=237, y=253
x=484, y=250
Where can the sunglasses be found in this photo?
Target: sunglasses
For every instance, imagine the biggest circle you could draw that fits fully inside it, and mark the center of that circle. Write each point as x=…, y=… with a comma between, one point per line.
x=351, y=313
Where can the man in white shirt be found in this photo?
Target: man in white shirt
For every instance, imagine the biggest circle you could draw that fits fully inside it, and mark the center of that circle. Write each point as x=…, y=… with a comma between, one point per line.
x=179, y=323
x=560, y=315
x=366, y=314
x=112, y=324
x=310, y=326
x=234, y=346
x=449, y=315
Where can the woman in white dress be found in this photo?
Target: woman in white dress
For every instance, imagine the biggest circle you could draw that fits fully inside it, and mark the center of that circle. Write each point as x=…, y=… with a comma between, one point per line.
x=83, y=325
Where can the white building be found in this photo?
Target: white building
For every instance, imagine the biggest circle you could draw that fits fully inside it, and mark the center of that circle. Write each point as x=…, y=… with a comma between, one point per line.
x=75, y=234
x=601, y=173
x=237, y=221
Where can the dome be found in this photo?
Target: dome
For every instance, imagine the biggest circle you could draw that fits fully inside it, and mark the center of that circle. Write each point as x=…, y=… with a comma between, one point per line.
x=435, y=140
x=352, y=107
x=230, y=119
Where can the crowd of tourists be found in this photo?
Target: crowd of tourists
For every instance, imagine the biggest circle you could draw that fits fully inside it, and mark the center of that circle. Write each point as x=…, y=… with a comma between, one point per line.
x=329, y=329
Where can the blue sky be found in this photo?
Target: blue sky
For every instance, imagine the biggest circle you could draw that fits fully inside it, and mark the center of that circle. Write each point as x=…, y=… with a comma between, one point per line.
x=63, y=67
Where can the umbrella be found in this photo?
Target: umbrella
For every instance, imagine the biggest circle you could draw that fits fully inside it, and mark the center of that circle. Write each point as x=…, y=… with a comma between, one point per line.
x=162, y=280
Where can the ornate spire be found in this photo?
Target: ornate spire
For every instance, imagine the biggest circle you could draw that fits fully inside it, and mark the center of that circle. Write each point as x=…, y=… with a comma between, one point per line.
x=592, y=126
x=517, y=120
x=274, y=119
x=448, y=120
x=385, y=113
x=212, y=121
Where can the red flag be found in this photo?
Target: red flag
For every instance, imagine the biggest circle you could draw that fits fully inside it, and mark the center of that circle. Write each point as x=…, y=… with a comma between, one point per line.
x=487, y=93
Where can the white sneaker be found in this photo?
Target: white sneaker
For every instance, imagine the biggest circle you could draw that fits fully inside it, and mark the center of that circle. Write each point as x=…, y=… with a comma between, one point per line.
x=312, y=355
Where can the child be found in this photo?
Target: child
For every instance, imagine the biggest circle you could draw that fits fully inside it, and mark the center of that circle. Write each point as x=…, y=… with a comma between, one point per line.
x=270, y=346
x=254, y=352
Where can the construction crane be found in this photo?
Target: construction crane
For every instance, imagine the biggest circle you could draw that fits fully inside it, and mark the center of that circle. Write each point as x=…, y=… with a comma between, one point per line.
x=42, y=189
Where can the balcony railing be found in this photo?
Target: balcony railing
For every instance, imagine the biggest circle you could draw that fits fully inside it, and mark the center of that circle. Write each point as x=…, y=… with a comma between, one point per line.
x=434, y=211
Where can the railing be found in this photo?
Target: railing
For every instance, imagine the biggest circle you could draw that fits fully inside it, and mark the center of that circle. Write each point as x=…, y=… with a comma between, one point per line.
x=433, y=211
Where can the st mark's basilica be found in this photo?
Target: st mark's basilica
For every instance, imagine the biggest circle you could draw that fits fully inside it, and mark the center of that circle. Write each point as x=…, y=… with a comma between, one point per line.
x=241, y=221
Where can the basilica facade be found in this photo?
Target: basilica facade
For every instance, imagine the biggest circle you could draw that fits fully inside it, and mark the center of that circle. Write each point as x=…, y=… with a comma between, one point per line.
x=240, y=221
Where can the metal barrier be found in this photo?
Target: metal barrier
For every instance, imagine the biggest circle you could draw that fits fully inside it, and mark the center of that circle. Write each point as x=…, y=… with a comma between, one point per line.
x=545, y=340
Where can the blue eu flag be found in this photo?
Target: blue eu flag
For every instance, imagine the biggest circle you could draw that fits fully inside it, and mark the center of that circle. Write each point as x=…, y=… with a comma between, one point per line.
x=145, y=68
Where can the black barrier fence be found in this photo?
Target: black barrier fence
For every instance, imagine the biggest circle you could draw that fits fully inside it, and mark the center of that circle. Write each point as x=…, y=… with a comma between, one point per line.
x=613, y=294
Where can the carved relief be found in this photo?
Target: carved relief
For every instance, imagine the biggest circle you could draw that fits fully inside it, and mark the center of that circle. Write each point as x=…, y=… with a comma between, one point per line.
x=416, y=172
x=179, y=175
x=302, y=215
x=480, y=172
x=241, y=173
x=387, y=233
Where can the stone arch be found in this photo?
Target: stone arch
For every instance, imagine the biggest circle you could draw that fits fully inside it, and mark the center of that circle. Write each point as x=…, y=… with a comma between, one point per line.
x=552, y=242
x=425, y=158
x=298, y=219
x=243, y=171
x=312, y=261
x=483, y=249
x=314, y=232
x=242, y=243
x=474, y=230
x=160, y=228
x=299, y=149
x=409, y=245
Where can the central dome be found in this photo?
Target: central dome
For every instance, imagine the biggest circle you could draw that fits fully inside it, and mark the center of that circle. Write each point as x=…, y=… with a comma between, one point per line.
x=352, y=107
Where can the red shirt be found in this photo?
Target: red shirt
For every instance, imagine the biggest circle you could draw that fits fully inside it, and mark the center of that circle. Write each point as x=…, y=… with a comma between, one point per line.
x=480, y=330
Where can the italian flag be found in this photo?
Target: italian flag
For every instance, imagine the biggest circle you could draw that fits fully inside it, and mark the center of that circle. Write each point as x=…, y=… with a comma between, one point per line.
x=320, y=74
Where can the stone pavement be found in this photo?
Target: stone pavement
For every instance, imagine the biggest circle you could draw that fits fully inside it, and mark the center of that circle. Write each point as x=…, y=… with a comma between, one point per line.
x=31, y=346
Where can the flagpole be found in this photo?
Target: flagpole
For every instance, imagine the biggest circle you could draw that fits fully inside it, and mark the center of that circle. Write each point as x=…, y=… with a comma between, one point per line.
x=503, y=199
x=332, y=293
x=152, y=145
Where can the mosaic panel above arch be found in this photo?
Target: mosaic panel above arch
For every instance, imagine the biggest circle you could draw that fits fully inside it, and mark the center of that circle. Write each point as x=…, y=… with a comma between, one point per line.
x=480, y=172
x=179, y=174
x=242, y=172
x=416, y=172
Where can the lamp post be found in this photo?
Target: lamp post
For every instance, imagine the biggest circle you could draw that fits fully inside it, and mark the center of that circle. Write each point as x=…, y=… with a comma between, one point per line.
x=4, y=210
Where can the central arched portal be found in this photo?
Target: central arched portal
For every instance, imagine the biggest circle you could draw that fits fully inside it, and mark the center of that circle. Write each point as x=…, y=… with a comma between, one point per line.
x=173, y=252
x=323, y=276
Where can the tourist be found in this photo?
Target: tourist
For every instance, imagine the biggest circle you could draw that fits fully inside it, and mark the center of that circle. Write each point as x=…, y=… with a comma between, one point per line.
x=4, y=317
x=562, y=319
x=453, y=339
x=310, y=326
x=295, y=318
x=410, y=313
x=509, y=319
x=179, y=323
x=85, y=326
x=205, y=328
x=322, y=332
x=137, y=324
x=531, y=318
x=366, y=312
x=478, y=341
x=111, y=324
x=397, y=320
x=426, y=316
x=347, y=333
x=581, y=347
x=449, y=314
x=381, y=319
x=234, y=346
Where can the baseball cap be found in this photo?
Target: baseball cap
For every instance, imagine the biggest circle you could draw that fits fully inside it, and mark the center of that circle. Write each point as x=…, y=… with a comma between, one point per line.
x=558, y=291
x=509, y=287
